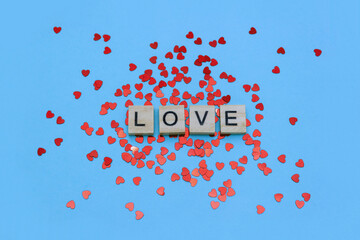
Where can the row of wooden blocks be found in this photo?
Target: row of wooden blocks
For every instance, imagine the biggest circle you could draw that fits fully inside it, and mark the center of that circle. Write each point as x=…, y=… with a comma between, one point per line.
x=172, y=119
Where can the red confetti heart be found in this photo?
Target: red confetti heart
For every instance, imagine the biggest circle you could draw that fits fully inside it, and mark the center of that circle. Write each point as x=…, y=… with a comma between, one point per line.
x=306, y=196
x=58, y=141
x=49, y=114
x=198, y=41
x=106, y=37
x=295, y=178
x=276, y=70
x=260, y=209
x=60, y=120
x=293, y=120
x=97, y=37
x=252, y=30
x=107, y=50
x=85, y=73
x=281, y=158
x=161, y=191
x=132, y=67
x=77, y=94
x=278, y=197
x=57, y=29
x=137, y=180
x=214, y=204
x=154, y=45
x=139, y=215
x=86, y=194
x=281, y=50
x=213, y=43
x=70, y=204
x=300, y=163
x=221, y=40
x=41, y=151
x=299, y=204
x=317, y=52
x=190, y=35
x=130, y=206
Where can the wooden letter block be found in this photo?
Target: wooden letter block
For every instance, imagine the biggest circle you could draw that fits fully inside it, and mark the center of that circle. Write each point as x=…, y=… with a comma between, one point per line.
x=202, y=119
x=172, y=120
x=141, y=120
x=232, y=119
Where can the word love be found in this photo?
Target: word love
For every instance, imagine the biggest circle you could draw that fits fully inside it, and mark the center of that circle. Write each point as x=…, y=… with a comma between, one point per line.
x=172, y=119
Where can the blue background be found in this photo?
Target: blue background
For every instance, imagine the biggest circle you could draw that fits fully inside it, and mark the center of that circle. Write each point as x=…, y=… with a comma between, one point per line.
x=39, y=70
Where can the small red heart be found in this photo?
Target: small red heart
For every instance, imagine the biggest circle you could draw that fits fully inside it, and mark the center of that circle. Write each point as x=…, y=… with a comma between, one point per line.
x=119, y=180
x=161, y=191
x=240, y=170
x=300, y=163
x=255, y=98
x=153, y=59
x=243, y=160
x=258, y=117
x=246, y=87
x=278, y=197
x=306, y=196
x=276, y=70
x=169, y=55
x=97, y=36
x=139, y=215
x=214, y=204
x=154, y=45
x=190, y=35
x=295, y=178
x=281, y=50
x=107, y=161
x=281, y=158
x=58, y=141
x=317, y=52
x=107, y=50
x=111, y=140
x=70, y=204
x=180, y=56
x=97, y=84
x=260, y=106
x=293, y=120
x=227, y=183
x=222, y=190
x=260, y=209
x=41, y=151
x=198, y=41
x=221, y=40
x=229, y=146
x=106, y=37
x=226, y=98
x=252, y=30
x=77, y=94
x=213, y=43
x=132, y=67
x=57, y=29
x=212, y=193
x=255, y=88
x=60, y=120
x=299, y=204
x=130, y=206
x=85, y=73
x=100, y=131
x=175, y=177
x=49, y=114
x=86, y=194
x=219, y=165
x=137, y=180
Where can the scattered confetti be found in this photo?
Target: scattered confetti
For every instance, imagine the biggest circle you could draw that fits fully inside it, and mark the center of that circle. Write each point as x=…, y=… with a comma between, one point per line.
x=174, y=66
